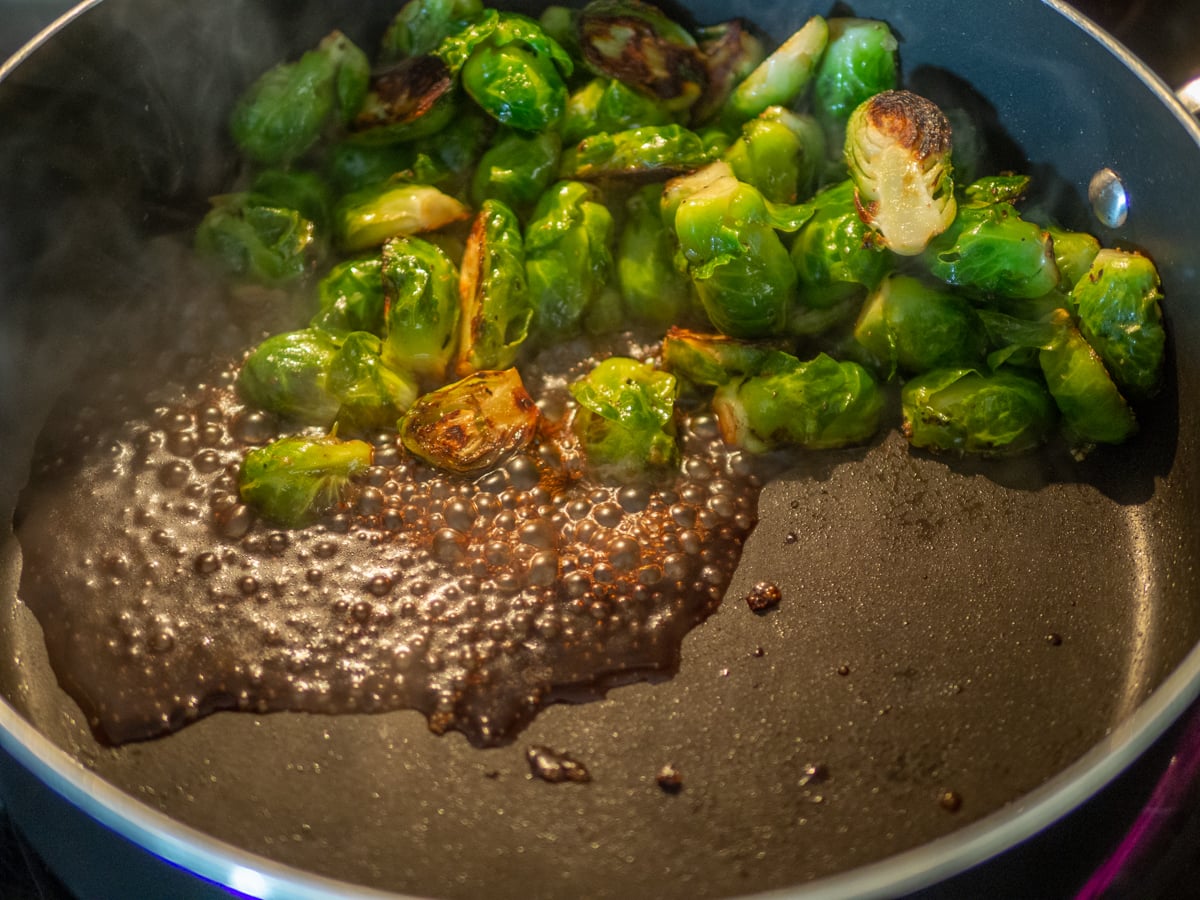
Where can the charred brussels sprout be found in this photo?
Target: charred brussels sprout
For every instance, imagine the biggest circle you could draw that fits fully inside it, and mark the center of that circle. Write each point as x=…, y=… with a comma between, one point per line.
x=371, y=394
x=783, y=76
x=859, y=62
x=263, y=243
x=420, y=287
x=287, y=375
x=653, y=290
x=496, y=310
x=284, y=113
x=350, y=297
x=517, y=169
x=731, y=51
x=626, y=418
x=965, y=411
x=711, y=360
x=369, y=217
x=473, y=424
x=1119, y=314
x=568, y=257
x=1093, y=410
x=741, y=270
x=898, y=152
x=652, y=153
x=780, y=153
x=421, y=25
x=637, y=44
x=818, y=404
x=837, y=256
x=410, y=99
x=910, y=327
x=296, y=480
x=607, y=105
x=990, y=250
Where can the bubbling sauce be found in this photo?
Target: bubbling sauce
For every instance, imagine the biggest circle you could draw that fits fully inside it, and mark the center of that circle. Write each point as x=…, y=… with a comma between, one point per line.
x=475, y=600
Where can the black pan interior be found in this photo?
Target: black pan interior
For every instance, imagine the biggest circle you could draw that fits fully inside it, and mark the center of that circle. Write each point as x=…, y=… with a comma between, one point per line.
x=945, y=627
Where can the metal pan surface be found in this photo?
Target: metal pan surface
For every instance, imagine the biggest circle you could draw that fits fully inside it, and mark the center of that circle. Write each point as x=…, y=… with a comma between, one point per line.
x=911, y=657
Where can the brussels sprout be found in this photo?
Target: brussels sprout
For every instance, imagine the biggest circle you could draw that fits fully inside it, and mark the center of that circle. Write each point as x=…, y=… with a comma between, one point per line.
x=372, y=394
x=568, y=257
x=653, y=290
x=637, y=44
x=626, y=418
x=561, y=24
x=421, y=25
x=837, y=256
x=731, y=51
x=305, y=192
x=988, y=189
x=965, y=411
x=410, y=99
x=267, y=244
x=898, y=152
x=818, y=404
x=859, y=62
x=607, y=105
x=652, y=153
x=910, y=327
x=420, y=287
x=296, y=480
x=1074, y=253
x=1119, y=315
x=739, y=266
x=1094, y=412
x=473, y=424
x=517, y=169
x=496, y=308
x=285, y=111
x=287, y=375
x=711, y=360
x=350, y=297
x=780, y=153
x=783, y=76
x=369, y=217
x=990, y=250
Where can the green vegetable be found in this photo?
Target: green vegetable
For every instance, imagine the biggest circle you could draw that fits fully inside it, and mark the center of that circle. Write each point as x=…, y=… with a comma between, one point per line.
x=731, y=51
x=350, y=297
x=371, y=393
x=568, y=257
x=296, y=480
x=608, y=105
x=517, y=169
x=783, y=76
x=371, y=216
x=473, y=424
x=286, y=375
x=420, y=287
x=421, y=25
x=496, y=309
x=285, y=111
x=637, y=44
x=410, y=99
x=1119, y=314
x=651, y=153
x=966, y=411
x=818, y=404
x=653, y=290
x=711, y=360
x=305, y=192
x=837, y=256
x=626, y=418
x=910, y=327
x=898, y=152
x=262, y=243
x=1074, y=252
x=780, y=153
x=859, y=62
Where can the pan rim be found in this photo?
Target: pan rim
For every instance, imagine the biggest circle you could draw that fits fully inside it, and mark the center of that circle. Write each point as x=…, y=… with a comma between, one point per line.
x=249, y=873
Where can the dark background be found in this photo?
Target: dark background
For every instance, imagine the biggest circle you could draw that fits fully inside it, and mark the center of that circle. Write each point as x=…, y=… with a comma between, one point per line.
x=1164, y=33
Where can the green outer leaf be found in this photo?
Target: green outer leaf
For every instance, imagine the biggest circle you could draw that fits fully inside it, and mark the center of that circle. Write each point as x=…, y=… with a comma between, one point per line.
x=295, y=480
x=991, y=250
x=835, y=253
x=286, y=375
x=350, y=297
x=859, y=62
x=421, y=286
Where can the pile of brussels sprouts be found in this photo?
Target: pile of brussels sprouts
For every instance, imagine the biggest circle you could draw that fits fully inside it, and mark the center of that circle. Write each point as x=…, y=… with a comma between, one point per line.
x=788, y=222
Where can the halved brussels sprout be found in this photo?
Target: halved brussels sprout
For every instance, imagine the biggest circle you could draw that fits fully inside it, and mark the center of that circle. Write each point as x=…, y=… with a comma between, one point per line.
x=966, y=411
x=780, y=153
x=371, y=394
x=473, y=424
x=783, y=76
x=626, y=418
x=420, y=287
x=286, y=375
x=711, y=360
x=731, y=51
x=608, y=105
x=296, y=480
x=651, y=153
x=369, y=217
x=898, y=153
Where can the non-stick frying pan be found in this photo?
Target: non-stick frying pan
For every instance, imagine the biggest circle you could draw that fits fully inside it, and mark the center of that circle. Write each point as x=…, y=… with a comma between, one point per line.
x=1012, y=634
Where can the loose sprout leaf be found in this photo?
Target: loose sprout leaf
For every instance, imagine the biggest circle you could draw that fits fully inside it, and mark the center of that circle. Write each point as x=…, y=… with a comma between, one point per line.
x=1074, y=253
x=409, y=99
x=295, y=480
x=473, y=424
x=731, y=51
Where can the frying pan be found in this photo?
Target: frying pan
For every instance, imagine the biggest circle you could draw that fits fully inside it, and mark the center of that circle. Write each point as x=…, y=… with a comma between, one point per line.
x=910, y=657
